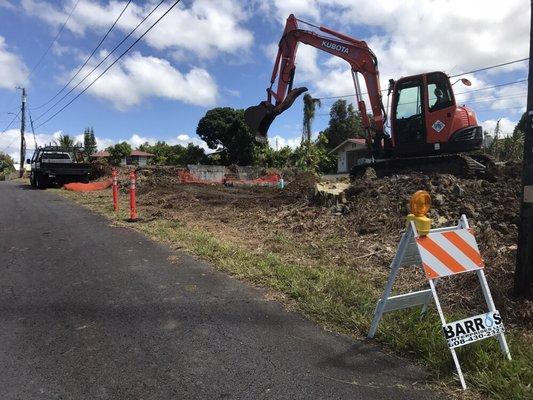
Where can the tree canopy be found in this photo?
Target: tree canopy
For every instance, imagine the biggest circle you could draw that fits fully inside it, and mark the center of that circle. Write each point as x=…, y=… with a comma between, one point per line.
x=165, y=154
x=89, y=141
x=6, y=163
x=224, y=130
x=66, y=141
x=118, y=152
x=309, y=115
x=344, y=123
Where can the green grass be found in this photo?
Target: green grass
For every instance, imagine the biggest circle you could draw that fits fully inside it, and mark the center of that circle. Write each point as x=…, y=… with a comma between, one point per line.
x=343, y=300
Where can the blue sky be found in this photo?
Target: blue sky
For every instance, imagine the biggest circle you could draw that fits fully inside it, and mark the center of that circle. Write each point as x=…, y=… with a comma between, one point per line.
x=208, y=53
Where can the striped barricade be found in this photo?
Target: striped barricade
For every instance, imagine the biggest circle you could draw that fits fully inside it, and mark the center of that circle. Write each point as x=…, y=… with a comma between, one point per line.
x=443, y=252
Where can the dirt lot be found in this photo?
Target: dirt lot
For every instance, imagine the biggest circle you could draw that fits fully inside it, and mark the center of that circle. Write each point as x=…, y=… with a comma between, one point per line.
x=361, y=233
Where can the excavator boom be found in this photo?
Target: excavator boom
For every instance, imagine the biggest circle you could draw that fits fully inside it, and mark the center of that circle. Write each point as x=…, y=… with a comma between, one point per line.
x=361, y=59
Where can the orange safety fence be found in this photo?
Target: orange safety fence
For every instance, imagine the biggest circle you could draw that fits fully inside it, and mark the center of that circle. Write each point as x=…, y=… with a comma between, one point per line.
x=88, y=187
x=186, y=177
x=266, y=180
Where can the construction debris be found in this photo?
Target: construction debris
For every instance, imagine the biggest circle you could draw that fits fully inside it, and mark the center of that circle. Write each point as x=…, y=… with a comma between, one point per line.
x=310, y=222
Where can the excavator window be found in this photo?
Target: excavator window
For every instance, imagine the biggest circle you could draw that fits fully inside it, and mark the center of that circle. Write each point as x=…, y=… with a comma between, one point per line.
x=409, y=112
x=439, y=92
x=409, y=101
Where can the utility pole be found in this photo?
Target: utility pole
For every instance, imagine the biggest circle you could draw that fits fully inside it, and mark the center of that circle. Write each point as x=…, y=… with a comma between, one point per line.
x=22, y=129
x=523, y=284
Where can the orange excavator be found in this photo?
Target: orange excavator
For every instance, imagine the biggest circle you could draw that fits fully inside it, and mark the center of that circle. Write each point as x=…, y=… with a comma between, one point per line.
x=428, y=130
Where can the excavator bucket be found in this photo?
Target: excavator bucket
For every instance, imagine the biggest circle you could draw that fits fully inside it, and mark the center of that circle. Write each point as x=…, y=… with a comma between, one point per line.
x=258, y=118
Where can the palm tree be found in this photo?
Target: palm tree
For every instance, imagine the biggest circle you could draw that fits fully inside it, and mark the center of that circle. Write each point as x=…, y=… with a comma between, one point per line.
x=309, y=115
x=66, y=141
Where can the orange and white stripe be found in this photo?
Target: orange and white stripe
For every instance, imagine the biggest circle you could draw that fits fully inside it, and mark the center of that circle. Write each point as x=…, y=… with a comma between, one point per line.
x=449, y=253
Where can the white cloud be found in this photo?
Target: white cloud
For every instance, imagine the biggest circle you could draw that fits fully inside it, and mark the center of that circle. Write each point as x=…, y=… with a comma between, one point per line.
x=6, y=4
x=13, y=71
x=506, y=126
x=411, y=37
x=136, y=77
x=205, y=28
x=10, y=141
x=282, y=142
x=283, y=8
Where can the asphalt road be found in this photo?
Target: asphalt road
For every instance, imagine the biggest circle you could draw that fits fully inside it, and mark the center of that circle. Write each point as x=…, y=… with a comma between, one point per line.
x=91, y=311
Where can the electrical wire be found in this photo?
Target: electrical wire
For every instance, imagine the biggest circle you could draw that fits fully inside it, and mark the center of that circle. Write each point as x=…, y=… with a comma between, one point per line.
x=32, y=129
x=490, y=67
x=111, y=65
x=34, y=68
x=88, y=58
x=101, y=62
x=11, y=122
x=492, y=87
x=53, y=41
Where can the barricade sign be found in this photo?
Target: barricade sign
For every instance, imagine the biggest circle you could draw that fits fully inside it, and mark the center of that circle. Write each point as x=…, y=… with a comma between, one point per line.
x=440, y=253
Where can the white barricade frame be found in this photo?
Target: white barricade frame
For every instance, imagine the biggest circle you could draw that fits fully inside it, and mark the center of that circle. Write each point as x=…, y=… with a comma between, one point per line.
x=408, y=254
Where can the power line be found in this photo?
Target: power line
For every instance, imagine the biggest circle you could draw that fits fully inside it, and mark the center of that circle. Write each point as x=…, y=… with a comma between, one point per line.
x=492, y=87
x=502, y=108
x=101, y=62
x=48, y=48
x=32, y=128
x=111, y=65
x=490, y=67
x=88, y=58
x=451, y=76
x=53, y=41
x=11, y=122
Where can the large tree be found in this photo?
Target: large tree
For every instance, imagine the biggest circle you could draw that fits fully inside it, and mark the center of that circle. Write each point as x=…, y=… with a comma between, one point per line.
x=118, y=152
x=224, y=129
x=165, y=154
x=66, y=141
x=521, y=125
x=6, y=163
x=89, y=141
x=344, y=123
x=309, y=115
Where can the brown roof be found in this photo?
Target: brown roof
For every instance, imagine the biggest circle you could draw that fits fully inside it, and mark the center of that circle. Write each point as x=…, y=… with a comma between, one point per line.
x=351, y=140
x=105, y=153
x=102, y=153
x=141, y=153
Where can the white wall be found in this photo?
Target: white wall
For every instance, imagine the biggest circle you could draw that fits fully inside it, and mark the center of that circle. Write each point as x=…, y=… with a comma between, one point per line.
x=342, y=164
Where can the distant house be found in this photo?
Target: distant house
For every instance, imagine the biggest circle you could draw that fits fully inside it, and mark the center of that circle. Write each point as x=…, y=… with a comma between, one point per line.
x=137, y=157
x=348, y=153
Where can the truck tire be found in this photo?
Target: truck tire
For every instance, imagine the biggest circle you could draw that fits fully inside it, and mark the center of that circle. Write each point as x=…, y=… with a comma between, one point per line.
x=40, y=181
x=32, y=180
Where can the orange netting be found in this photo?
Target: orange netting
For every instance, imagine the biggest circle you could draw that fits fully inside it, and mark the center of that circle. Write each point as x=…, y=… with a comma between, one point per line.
x=266, y=180
x=186, y=177
x=88, y=187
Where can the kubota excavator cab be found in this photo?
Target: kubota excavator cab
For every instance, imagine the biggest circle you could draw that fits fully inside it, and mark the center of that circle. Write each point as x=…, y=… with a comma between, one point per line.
x=425, y=118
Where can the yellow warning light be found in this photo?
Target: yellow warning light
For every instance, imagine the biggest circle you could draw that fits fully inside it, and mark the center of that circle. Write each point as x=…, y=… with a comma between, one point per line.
x=419, y=206
x=420, y=203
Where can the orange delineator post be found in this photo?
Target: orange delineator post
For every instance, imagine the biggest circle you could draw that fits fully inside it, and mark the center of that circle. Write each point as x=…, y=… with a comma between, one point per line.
x=133, y=207
x=115, y=190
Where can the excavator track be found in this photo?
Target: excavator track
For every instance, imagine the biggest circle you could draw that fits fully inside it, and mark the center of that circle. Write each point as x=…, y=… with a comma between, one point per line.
x=465, y=165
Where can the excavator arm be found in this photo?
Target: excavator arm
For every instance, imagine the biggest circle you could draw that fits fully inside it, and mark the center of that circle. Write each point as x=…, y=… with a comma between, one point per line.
x=361, y=59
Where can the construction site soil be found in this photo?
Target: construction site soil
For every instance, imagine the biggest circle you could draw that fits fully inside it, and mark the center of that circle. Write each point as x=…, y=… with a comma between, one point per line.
x=361, y=231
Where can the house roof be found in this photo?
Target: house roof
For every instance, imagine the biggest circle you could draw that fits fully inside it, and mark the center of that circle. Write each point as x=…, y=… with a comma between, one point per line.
x=141, y=153
x=351, y=140
x=105, y=153
x=102, y=153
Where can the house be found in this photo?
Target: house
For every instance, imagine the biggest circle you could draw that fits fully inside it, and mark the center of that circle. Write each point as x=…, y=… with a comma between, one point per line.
x=348, y=153
x=137, y=157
